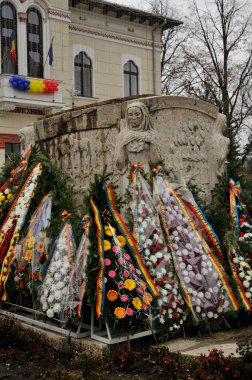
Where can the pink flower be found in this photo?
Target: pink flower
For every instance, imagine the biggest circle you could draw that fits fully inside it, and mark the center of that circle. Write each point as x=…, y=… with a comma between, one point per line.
x=120, y=285
x=198, y=277
x=138, y=271
x=115, y=249
x=126, y=256
x=107, y=262
x=112, y=273
x=121, y=261
x=131, y=266
x=144, y=307
x=140, y=290
x=126, y=274
x=129, y=311
x=208, y=295
x=124, y=298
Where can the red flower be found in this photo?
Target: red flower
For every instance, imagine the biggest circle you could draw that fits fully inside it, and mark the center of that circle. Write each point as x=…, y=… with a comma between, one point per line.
x=241, y=234
x=21, y=284
x=175, y=314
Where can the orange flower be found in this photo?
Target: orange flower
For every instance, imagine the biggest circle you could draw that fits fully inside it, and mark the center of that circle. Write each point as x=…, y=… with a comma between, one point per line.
x=143, y=284
x=147, y=298
x=112, y=295
x=121, y=240
x=28, y=255
x=120, y=313
x=129, y=284
x=107, y=245
x=40, y=246
x=137, y=303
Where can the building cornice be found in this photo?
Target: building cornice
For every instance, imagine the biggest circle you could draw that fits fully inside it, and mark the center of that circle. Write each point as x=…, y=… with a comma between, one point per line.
x=59, y=14
x=110, y=36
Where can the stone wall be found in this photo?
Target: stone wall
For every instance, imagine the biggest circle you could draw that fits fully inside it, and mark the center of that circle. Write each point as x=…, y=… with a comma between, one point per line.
x=189, y=132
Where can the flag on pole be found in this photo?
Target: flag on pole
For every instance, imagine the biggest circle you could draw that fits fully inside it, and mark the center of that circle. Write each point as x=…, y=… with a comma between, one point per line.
x=50, y=54
x=13, y=48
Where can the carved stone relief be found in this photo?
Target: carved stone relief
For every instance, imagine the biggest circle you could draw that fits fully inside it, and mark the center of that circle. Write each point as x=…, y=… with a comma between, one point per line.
x=186, y=133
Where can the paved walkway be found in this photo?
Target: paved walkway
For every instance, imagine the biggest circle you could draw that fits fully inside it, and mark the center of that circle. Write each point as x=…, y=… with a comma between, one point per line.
x=225, y=341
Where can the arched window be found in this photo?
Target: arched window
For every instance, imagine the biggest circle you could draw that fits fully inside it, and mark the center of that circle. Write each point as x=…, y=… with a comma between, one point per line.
x=8, y=20
x=83, y=74
x=34, y=43
x=130, y=72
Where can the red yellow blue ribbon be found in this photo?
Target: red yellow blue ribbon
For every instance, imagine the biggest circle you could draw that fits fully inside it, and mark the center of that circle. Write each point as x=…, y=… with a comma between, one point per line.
x=100, y=283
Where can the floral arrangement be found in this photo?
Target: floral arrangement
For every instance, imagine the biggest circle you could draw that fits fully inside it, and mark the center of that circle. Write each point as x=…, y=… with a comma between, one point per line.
x=73, y=298
x=12, y=226
x=34, y=85
x=199, y=219
x=56, y=282
x=6, y=190
x=157, y=257
x=31, y=260
x=125, y=290
x=205, y=285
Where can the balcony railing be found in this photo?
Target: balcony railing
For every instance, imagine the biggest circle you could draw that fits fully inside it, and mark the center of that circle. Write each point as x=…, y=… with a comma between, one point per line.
x=11, y=98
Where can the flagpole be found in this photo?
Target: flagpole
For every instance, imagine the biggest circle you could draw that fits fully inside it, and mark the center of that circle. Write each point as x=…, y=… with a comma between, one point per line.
x=47, y=54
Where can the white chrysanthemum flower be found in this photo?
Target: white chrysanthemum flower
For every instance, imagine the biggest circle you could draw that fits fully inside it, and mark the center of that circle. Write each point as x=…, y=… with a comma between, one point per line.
x=159, y=255
x=50, y=299
x=168, y=286
x=140, y=220
x=148, y=242
x=48, y=280
x=57, y=277
x=153, y=259
x=161, y=320
x=57, y=307
x=53, y=288
x=147, y=252
x=52, y=268
x=60, y=285
x=163, y=271
x=50, y=313
x=164, y=292
x=248, y=294
x=158, y=275
x=63, y=271
x=58, y=295
x=245, y=284
x=160, y=302
x=44, y=306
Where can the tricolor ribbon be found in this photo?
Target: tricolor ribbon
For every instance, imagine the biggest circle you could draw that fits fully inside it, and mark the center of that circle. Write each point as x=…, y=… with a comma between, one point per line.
x=100, y=283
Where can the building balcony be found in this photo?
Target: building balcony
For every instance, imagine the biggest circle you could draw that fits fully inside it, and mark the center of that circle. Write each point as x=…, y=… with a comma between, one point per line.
x=12, y=99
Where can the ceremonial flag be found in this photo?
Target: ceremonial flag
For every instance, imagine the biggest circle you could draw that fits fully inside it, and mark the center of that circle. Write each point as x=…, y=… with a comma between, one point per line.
x=50, y=54
x=13, y=48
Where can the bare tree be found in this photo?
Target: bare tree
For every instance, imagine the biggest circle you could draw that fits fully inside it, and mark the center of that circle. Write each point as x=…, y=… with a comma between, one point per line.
x=172, y=57
x=216, y=59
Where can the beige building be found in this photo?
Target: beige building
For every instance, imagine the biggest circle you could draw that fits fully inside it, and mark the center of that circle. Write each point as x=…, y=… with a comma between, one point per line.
x=99, y=50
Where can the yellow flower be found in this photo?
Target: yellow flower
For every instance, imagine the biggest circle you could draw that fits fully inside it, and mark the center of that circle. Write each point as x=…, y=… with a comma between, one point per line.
x=121, y=240
x=137, y=303
x=9, y=196
x=112, y=295
x=2, y=198
x=28, y=255
x=129, y=284
x=147, y=298
x=31, y=242
x=107, y=245
x=109, y=231
x=120, y=313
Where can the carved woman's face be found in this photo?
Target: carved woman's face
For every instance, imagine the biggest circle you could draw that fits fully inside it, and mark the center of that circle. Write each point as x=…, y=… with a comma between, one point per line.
x=135, y=117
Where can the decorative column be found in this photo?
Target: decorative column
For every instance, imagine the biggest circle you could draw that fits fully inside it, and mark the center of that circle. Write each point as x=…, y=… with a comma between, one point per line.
x=22, y=49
